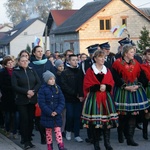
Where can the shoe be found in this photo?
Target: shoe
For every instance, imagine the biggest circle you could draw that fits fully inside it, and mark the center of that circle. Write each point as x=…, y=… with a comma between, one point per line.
x=15, y=136
x=78, y=139
x=68, y=135
x=139, y=126
x=26, y=146
x=8, y=134
x=31, y=145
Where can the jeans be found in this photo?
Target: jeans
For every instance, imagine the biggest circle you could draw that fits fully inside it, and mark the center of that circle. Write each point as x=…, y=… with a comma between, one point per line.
x=26, y=113
x=73, y=114
x=11, y=121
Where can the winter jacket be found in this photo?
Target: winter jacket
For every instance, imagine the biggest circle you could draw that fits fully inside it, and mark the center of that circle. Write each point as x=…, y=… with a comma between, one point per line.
x=8, y=95
x=69, y=84
x=50, y=101
x=22, y=81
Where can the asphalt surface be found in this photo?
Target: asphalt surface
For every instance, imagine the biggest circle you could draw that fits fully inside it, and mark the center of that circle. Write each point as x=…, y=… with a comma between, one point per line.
x=14, y=144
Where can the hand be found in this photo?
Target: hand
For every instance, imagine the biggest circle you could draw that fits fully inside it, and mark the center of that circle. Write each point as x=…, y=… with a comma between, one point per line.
x=81, y=99
x=54, y=114
x=132, y=88
x=29, y=96
x=102, y=87
x=30, y=92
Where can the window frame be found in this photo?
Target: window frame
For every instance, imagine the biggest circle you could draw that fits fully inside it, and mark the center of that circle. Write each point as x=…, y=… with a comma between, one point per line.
x=124, y=18
x=105, y=19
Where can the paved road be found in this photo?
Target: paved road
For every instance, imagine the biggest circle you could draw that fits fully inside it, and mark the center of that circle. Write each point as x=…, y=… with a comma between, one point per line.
x=72, y=145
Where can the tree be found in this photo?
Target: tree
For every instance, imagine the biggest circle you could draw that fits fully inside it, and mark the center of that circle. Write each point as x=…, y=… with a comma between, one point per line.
x=144, y=41
x=28, y=48
x=19, y=10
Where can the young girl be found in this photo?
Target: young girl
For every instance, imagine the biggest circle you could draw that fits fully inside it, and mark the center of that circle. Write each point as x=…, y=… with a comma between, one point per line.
x=51, y=102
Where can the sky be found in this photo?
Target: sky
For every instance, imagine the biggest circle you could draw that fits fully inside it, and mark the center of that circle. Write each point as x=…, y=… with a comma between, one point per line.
x=77, y=4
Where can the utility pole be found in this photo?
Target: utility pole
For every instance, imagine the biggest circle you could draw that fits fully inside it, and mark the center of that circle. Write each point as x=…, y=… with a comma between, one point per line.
x=45, y=46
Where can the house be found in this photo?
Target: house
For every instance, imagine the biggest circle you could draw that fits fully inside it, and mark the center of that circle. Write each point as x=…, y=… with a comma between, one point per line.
x=21, y=35
x=6, y=27
x=93, y=22
x=55, y=19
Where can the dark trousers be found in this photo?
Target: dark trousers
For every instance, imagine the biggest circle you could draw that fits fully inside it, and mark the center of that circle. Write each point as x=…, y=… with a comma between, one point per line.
x=73, y=114
x=26, y=113
x=11, y=121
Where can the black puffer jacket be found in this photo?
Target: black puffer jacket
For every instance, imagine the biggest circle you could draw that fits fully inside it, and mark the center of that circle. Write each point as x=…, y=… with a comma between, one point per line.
x=69, y=84
x=22, y=81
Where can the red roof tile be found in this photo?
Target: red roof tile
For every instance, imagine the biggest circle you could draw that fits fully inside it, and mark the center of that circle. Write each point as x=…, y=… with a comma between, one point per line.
x=60, y=16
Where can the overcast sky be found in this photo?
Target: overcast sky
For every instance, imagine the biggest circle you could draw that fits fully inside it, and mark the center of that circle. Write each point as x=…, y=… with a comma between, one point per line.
x=77, y=4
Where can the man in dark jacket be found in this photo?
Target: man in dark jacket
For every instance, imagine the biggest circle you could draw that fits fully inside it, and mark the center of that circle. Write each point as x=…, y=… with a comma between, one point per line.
x=69, y=85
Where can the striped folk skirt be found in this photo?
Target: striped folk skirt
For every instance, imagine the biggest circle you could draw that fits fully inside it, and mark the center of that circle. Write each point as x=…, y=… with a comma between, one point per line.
x=130, y=102
x=103, y=116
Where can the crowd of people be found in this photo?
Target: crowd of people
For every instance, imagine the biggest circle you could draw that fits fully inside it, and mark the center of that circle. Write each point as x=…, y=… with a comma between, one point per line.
x=65, y=92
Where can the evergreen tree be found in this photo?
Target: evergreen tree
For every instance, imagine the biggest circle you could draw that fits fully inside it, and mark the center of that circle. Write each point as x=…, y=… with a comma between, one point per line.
x=144, y=41
x=19, y=10
x=28, y=48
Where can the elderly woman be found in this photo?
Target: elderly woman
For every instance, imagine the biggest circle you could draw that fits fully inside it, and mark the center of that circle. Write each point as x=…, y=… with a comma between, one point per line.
x=26, y=83
x=99, y=109
x=129, y=94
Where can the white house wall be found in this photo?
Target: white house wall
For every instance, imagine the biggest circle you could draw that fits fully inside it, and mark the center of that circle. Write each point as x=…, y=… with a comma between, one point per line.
x=20, y=42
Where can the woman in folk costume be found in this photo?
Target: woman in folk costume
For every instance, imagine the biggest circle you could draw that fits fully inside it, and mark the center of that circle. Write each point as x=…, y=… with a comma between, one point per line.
x=129, y=94
x=146, y=68
x=99, y=109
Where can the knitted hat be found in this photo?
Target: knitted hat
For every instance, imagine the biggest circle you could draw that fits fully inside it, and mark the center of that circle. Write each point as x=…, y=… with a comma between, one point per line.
x=47, y=75
x=58, y=63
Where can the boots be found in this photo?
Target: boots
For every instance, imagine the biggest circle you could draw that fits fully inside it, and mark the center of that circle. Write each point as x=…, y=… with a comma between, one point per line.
x=130, y=140
x=145, y=126
x=95, y=137
x=42, y=134
x=106, y=134
x=120, y=135
x=61, y=146
x=49, y=146
x=96, y=146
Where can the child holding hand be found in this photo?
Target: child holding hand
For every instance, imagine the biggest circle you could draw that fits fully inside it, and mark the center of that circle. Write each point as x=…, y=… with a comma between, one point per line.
x=51, y=102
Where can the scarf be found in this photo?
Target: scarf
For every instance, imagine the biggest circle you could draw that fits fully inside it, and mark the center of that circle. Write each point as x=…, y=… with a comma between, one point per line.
x=40, y=62
x=90, y=80
x=9, y=71
x=146, y=68
x=129, y=71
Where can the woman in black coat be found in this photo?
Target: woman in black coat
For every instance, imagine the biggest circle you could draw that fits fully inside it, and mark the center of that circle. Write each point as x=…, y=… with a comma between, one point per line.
x=26, y=83
x=8, y=98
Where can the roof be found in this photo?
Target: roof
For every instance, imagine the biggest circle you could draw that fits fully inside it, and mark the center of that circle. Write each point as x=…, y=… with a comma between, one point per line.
x=146, y=11
x=17, y=30
x=2, y=34
x=81, y=16
x=74, y=23
x=58, y=16
x=137, y=9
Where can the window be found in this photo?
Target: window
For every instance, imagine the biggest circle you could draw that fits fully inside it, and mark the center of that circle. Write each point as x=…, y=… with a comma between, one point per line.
x=61, y=48
x=25, y=33
x=105, y=24
x=71, y=46
x=124, y=21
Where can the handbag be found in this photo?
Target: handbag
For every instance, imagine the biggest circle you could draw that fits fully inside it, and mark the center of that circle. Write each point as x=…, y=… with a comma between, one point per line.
x=37, y=110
